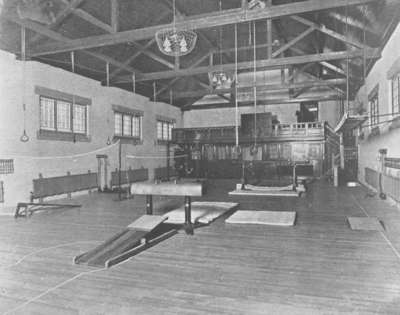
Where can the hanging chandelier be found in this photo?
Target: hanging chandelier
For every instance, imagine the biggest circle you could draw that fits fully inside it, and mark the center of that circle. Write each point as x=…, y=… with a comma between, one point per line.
x=174, y=42
x=221, y=79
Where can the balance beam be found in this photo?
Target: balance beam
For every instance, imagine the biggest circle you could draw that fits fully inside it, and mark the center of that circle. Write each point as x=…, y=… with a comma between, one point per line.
x=187, y=190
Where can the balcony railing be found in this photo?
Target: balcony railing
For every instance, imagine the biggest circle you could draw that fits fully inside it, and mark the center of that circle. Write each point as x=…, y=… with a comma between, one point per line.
x=314, y=130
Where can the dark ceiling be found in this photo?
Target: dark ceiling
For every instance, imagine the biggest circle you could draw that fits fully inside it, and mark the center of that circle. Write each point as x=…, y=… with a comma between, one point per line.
x=325, y=40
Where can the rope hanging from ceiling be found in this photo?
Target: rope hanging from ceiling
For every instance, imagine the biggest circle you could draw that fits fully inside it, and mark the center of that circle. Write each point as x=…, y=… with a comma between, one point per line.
x=24, y=137
x=254, y=149
x=236, y=95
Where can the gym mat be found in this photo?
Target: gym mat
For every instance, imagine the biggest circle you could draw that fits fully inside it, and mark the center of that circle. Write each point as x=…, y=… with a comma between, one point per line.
x=201, y=212
x=265, y=188
x=365, y=223
x=266, y=193
x=280, y=218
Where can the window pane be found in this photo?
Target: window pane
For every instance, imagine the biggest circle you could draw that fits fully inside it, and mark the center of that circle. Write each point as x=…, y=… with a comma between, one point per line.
x=63, y=116
x=170, y=131
x=165, y=131
x=395, y=94
x=46, y=113
x=79, y=118
x=127, y=125
x=159, y=130
x=136, y=126
x=118, y=123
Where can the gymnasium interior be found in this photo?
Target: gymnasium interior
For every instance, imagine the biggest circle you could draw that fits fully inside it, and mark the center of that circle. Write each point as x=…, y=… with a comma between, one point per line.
x=199, y=157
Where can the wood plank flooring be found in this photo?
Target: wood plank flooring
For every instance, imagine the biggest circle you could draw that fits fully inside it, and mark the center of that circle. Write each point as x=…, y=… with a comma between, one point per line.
x=319, y=266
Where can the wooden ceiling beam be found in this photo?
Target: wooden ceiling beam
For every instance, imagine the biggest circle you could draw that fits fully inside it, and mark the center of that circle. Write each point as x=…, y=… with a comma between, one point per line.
x=263, y=87
x=260, y=64
x=352, y=22
x=38, y=28
x=114, y=15
x=173, y=81
x=201, y=21
x=292, y=42
x=327, y=31
x=65, y=12
x=138, y=53
x=153, y=55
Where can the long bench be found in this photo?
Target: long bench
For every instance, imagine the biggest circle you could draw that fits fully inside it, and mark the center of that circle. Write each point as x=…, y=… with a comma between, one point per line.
x=52, y=186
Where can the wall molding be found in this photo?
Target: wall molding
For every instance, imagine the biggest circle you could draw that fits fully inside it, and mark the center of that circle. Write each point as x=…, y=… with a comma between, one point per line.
x=76, y=99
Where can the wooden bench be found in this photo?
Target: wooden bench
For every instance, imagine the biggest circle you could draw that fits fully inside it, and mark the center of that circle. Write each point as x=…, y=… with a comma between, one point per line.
x=187, y=190
x=53, y=186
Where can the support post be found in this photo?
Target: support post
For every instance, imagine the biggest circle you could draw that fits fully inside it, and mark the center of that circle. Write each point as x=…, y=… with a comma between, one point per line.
x=149, y=204
x=382, y=156
x=188, y=221
x=168, y=164
x=119, y=170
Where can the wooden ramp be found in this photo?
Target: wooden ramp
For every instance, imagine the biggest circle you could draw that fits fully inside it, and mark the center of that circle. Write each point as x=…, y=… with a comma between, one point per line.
x=141, y=234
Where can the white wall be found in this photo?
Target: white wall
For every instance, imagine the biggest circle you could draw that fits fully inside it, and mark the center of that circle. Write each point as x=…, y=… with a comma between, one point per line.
x=29, y=158
x=389, y=139
x=286, y=113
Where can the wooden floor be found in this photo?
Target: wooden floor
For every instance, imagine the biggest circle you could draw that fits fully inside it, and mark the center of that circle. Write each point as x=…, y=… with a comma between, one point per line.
x=319, y=266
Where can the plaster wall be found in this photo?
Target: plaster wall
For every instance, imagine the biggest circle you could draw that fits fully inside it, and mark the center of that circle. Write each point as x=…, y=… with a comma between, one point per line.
x=388, y=138
x=286, y=113
x=48, y=157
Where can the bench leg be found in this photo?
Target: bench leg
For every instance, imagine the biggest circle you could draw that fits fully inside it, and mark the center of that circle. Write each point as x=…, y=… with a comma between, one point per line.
x=149, y=204
x=188, y=222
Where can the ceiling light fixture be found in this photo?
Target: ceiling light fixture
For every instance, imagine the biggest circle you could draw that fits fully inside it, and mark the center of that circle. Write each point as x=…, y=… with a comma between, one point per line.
x=256, y=4
x=174, y=42
x=220, y=79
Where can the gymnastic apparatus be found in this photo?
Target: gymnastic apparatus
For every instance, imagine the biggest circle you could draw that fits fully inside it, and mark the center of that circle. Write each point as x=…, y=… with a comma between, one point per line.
x=146, y=231
x=169, y=189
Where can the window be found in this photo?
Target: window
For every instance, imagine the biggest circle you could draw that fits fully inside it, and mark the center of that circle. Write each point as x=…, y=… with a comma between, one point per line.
x=6, y=166
x=396, y=94
x=127, y=125
x=62, y=116
x=164, y=130
x=374, y=106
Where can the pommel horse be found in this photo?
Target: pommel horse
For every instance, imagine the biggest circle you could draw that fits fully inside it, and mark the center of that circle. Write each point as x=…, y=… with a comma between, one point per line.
x=187, y=190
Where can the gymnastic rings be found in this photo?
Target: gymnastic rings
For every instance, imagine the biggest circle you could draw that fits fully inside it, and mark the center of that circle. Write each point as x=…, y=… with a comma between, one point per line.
x=237, y=150
x=253, y=150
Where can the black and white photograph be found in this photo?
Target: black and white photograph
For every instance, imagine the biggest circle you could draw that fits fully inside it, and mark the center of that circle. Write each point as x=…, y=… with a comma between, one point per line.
x=198, y=157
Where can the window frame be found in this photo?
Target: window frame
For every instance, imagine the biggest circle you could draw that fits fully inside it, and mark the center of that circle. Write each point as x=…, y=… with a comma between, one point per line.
x=164, y=133
x=55, y=132
x=395, y=80
x=121, y=134
x=373, y=103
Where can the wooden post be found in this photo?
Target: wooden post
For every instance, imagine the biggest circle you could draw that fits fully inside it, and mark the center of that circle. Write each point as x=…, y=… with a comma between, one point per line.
x=149, y=204
x=382, y=156
x=188, y=221
x=119, y=169
x=168, y=155
x=69, y=194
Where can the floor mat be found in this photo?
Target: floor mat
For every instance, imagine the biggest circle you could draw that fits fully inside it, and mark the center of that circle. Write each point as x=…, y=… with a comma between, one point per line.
x=365, y=223
x=281, y=218
x=202, y=212
x=276, y=193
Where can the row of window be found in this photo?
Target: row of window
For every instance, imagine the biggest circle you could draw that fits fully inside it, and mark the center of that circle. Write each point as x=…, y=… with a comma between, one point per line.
x=373, y=100
x=62, y=116
x=58, y=115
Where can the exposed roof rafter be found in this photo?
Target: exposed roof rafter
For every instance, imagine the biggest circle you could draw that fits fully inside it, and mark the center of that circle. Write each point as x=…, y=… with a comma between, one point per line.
x=197, y=22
